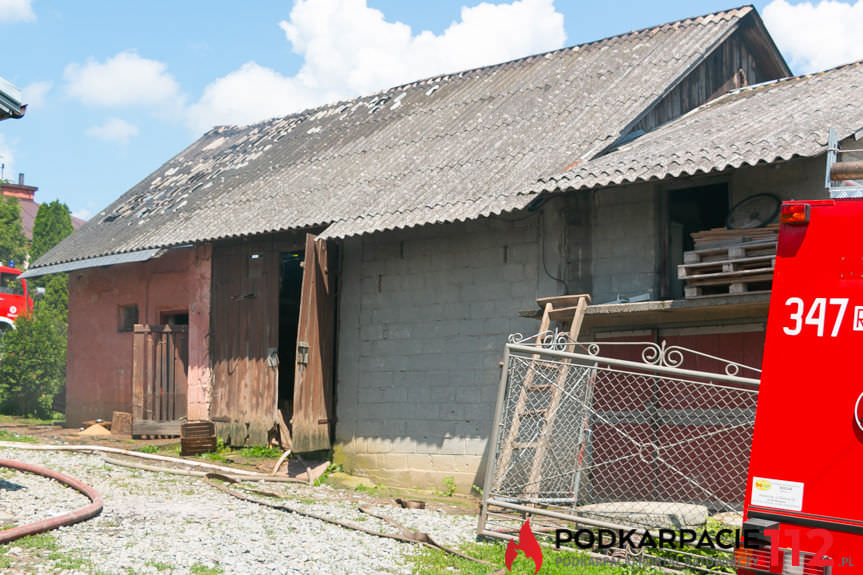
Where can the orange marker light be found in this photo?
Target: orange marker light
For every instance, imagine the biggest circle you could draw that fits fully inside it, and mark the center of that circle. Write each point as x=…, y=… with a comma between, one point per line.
x=794, y=214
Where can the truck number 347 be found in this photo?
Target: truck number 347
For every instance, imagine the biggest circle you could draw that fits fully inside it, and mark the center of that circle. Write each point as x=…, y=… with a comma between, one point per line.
x=821, y=314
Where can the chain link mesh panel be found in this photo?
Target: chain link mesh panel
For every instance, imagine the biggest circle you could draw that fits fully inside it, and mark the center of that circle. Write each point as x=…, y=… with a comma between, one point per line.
x=641, y=443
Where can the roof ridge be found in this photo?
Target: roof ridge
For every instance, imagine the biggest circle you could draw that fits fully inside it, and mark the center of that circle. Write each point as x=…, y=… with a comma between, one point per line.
x=789, y=79
x=739, y=12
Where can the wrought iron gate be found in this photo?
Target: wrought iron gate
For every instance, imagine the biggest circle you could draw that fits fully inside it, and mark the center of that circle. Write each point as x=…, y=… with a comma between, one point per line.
x=631, y=434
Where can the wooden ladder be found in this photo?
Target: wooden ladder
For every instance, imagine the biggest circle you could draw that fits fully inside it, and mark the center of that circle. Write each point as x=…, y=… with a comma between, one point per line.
x=560, y=308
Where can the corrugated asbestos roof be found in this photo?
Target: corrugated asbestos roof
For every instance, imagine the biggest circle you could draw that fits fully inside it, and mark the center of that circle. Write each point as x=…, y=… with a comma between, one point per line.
x=455, y=147
x=769, y=122
x=110, y=260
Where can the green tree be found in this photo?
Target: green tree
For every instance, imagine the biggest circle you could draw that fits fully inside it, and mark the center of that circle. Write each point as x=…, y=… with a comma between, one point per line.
x=13, y=244
x=33, y=365
x=33, y=356
x=53, y=222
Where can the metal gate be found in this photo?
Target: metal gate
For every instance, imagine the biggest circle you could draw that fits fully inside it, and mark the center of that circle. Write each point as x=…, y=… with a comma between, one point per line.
x=159, y=372
x=631, y=434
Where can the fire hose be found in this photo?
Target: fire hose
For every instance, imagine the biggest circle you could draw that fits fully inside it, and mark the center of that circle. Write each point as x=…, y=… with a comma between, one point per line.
x=227, y=474
x=82, y=514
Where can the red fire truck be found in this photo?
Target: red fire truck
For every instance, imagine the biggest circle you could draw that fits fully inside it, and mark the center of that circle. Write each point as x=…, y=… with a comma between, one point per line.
x=804, y=508
x=15, y=301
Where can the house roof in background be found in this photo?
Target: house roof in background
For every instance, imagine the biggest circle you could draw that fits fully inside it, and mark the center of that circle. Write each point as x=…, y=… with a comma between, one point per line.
x=29, y=206
x=766, y=123
x=454, y=147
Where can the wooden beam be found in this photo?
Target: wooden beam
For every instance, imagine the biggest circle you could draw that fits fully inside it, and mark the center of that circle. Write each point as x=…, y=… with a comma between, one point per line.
x=846, y=171
x=559, y=301
x=150, y=427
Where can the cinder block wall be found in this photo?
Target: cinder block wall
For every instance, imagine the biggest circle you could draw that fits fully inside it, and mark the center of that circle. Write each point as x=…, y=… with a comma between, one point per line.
x=424, y=315
x=801, y=179
x=625, y=242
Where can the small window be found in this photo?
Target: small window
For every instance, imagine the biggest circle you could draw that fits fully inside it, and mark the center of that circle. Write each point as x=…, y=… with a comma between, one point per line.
x=128, y=317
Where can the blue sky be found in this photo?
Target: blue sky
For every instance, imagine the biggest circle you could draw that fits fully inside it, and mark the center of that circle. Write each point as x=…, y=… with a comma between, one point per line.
x=115, y=89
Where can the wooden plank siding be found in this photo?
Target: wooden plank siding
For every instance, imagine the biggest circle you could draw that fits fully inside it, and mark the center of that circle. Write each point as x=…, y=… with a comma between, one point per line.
x=709, y=80
x=244, y=331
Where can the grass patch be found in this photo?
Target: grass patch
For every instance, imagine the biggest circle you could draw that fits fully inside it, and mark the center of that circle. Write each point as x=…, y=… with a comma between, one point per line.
x=148, y=449
x=432, y=562
x=201, y=569
x=41, y=541
x=258, y=451
x=218, y=456
x=63, y=561
x=448, y=487
x=158, y=566
x=375, y=490
x=32, y=420
x=11, y=436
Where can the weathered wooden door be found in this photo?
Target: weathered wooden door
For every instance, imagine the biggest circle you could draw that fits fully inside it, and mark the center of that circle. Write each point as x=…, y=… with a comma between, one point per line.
x=313, y=410
x=244, y=339
x=159, y=372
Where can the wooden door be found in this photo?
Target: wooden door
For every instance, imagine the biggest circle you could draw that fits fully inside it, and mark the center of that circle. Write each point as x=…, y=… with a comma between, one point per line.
x=243, y=340
x=313, y=410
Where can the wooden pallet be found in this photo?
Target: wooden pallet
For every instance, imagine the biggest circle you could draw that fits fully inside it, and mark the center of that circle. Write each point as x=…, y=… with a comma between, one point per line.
x=710, y=269
x=746, y=284
x=730, y=252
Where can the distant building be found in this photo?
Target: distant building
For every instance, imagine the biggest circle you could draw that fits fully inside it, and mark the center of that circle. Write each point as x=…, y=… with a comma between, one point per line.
x=29, y=206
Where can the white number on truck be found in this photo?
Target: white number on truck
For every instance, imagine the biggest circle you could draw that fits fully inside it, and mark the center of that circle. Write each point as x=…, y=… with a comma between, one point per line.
x=816, y=316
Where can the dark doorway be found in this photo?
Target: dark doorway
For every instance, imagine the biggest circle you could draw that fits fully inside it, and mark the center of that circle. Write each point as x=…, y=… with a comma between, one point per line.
x=691, y=210
x=290, y=287
x=174, y=317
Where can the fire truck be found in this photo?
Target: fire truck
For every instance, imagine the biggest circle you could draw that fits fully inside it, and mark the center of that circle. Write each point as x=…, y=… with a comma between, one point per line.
x=803, y=511
x=15, y=300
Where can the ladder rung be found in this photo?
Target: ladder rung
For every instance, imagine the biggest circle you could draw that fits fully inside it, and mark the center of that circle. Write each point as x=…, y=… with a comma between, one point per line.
x=538, y=387
x=532, y=412
x=523, y=444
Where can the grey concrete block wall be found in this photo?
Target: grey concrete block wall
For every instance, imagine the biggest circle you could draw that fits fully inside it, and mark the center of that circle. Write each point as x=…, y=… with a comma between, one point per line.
x=625, y=241
x=801, y=179
x=424, y=315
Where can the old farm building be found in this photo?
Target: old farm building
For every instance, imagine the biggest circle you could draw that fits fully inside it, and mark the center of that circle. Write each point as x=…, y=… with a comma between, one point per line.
x=360, y=265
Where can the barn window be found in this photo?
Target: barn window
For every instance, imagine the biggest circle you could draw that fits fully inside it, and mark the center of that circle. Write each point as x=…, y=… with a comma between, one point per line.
x=127, y=317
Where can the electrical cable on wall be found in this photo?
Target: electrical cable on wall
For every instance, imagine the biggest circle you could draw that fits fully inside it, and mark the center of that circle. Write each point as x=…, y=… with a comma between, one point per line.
x=542, y=254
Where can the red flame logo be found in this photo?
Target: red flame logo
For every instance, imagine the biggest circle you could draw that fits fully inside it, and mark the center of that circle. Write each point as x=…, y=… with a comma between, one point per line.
x=526, y=543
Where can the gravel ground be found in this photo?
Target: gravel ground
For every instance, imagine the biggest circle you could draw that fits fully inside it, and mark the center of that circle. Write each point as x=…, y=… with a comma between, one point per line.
x=158, y=523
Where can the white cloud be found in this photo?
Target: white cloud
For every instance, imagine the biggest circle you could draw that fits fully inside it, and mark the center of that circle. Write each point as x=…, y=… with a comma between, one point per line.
x=16, y=11
x=122, y=81
x=814, y=37
x=246, y=95
x=82, y=213
x=350, y=49
x=114, y=130
x=34, y=94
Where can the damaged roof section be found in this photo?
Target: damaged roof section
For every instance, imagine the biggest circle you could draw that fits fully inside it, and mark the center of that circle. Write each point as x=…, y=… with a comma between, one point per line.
x=770, y=122
x=455, y=147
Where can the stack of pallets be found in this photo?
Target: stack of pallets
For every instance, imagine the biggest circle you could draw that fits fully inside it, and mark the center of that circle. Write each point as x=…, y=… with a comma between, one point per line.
x=729, y=262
